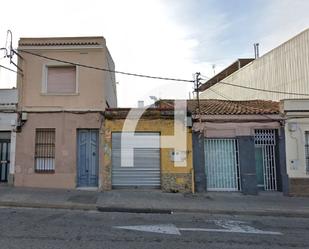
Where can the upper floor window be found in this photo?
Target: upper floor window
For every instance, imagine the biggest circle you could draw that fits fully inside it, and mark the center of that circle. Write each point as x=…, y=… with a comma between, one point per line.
x=61, y=80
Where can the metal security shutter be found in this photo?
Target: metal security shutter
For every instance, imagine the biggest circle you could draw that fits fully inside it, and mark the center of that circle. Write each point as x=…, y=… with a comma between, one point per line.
x=265, y=159
x=221, y=165
x=146, y=169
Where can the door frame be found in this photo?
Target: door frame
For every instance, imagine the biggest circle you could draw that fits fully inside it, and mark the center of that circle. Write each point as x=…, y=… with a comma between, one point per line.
x=275, y=182
x=237, y=165
x=98, y=158
x=8, y=164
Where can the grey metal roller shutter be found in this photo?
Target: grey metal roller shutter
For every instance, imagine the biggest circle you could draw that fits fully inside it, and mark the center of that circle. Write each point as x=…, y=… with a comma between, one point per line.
x=146, y=169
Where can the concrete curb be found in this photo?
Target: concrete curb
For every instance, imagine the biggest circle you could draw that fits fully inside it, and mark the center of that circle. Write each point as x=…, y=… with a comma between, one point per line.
x=273, y=213
x=90, y=207
x=84, y=207
x=134, y=210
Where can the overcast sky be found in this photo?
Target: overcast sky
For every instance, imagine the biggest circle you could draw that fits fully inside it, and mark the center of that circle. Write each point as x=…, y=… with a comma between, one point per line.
x=172, y=38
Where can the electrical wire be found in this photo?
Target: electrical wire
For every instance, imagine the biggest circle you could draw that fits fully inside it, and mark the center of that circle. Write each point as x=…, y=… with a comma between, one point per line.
x=104, y=69
x=263, y=90
x=259, y=89
x=243, y=105
x=12, y=70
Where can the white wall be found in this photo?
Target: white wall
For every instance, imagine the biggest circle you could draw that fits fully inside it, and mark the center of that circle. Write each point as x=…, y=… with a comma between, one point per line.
x=6, y=121
x=296, y=124
x=295, y=147
x=285, y=68
x=8, y=96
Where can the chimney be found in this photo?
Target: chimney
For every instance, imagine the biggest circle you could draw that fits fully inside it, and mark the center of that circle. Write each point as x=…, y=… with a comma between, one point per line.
x=256, y=50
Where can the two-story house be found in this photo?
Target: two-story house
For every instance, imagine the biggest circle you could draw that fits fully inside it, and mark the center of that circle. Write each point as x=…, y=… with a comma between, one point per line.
x=61, y=109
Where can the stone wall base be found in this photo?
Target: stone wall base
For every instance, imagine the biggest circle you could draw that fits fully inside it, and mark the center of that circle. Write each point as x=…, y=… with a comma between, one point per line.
x=176, y=182
x=299, y=186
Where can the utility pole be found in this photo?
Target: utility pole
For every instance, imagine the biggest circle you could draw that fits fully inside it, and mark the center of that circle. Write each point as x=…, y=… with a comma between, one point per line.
x=197, y=84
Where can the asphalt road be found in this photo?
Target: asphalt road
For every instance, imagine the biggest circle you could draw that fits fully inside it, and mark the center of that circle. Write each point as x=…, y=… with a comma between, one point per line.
x=61, y=229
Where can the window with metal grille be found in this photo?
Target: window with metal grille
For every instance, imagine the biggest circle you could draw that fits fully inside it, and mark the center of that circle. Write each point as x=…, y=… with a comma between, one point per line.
x=45, y=150
x=307, y=151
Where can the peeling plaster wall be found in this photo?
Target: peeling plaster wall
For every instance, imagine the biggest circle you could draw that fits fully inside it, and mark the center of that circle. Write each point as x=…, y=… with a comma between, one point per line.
x=173, y=179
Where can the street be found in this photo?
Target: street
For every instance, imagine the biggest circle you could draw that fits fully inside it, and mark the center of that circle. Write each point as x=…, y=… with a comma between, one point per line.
x=50, y=228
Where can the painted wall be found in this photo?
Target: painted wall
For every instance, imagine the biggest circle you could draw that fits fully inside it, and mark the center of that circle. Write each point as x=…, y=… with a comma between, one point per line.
x=284, y=68
x=296, y=124
x=7, y=121
x=295, y=147
x=110, y=82
x=244, y=133
x=172, y=178
x=232, y=129
x=92, y=85
x=8, y=98
x=66, y=125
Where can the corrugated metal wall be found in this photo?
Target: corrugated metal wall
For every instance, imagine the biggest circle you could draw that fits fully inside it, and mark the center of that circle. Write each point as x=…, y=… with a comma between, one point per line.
x=285, y=68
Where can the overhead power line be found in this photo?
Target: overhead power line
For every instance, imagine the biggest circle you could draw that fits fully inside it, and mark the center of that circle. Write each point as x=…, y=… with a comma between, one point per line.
x=254, y=88
x=261, y=89
x=12, y=70
x=104, y=69
x=242, y=105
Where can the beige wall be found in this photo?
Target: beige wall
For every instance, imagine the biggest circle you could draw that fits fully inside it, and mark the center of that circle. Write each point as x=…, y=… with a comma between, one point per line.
x=94, y=87
x=111, y=90
x=66, y=125
x=284, y=68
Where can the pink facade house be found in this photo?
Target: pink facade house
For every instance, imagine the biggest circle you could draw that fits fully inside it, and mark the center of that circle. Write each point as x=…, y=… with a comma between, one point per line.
x=238, y=146
x=60, y=108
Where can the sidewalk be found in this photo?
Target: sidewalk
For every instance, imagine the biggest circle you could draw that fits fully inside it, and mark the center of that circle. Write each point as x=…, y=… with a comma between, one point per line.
x=154, y=201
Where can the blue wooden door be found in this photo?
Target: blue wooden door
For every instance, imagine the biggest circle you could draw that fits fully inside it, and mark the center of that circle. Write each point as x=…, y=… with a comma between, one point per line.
x=87, y=158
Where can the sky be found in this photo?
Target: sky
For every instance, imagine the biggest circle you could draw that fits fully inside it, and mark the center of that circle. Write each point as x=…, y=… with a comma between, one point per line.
x=167, y=38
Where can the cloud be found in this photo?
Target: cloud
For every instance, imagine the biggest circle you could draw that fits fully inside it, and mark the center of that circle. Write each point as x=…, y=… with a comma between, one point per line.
x=139, y=34
x=281, y=20
x=158, y=37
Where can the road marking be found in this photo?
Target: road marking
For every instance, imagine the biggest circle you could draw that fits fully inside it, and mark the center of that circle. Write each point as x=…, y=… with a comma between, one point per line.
x=163, y=228
x=229, y=231
x=242, y=227
x=229, y=226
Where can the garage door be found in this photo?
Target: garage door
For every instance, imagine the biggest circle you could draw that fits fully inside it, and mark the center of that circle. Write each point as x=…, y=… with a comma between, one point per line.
x=145, y=171
x=221, y=165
